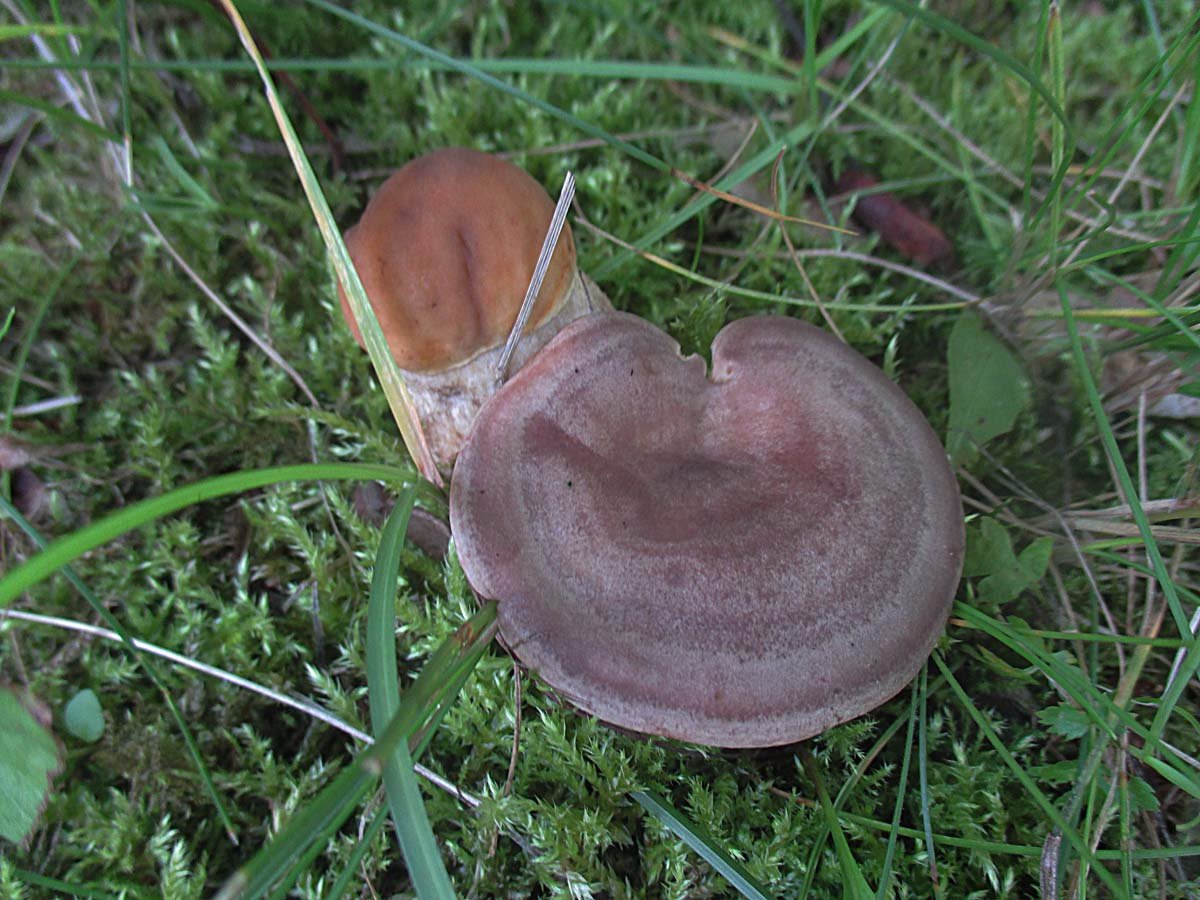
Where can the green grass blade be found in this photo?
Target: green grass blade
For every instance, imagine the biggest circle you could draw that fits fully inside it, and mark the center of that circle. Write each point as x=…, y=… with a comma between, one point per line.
x=123, y=25
x=625, y=70
x=350, y=874
x=1058, y=147
x=143, y=659
x=1109, y=441
x=817, y=843
x=991, y=51
x=854, y=885
x=327, y=810
x=307, y=856
x=1187, y=168
x=894, y=833
x=1048, y=808
x=695, y=837
x=425, y=867
x=57, y=113
x=69, y=888
x=1147, y=93
x=473, y=71
x=1177, y=325
x=1104, y=712
x=337, y=800
x=1183, y=257
x=71, y=547
x=41, y=29
x=32, y=327
x=383, y=684
x=385, y=366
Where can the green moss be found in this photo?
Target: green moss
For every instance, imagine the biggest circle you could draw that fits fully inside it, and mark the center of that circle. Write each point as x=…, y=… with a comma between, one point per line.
x=272, y=586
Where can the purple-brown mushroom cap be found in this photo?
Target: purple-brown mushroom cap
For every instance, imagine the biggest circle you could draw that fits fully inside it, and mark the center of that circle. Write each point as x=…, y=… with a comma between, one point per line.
x=738, y=559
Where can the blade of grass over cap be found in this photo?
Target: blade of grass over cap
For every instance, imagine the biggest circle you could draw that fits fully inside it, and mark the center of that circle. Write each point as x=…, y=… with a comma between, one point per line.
x=696, y=838
x=539, y=272
x=377, y=349
x=417, y=842
x=71, y=547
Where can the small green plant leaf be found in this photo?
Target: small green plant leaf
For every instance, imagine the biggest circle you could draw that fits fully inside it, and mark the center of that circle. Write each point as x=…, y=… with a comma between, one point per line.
x=30, y=757
x=1065, y=720
x=1004, y=575
x=988, y=389
x=83, y=716
x=1064, y=771
x=1142, y=796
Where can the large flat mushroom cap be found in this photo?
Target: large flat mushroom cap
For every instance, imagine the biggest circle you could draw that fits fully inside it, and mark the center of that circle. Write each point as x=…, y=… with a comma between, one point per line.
x=742, y=559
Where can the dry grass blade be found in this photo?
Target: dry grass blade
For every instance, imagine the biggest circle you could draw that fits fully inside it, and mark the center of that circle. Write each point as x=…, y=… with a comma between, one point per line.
x=381, y=357
x=557, y=221
x=755, y=207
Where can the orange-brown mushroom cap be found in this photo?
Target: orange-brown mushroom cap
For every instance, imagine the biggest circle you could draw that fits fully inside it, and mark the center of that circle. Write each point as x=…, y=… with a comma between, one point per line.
x=445, y=251
x=741, y=559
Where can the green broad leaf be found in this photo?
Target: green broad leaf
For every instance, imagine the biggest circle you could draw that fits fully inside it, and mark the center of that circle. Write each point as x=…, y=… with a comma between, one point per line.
x=1065, y=720
x=1062, y=772
x=30, y=757
x=1004, y=574
x=83, y=716
x=988, y=388
x=989, y=549
x=1142, y=796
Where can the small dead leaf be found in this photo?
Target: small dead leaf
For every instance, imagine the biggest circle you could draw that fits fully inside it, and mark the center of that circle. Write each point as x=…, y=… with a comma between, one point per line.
x=428, y=533
x=29, y=494
x=372, y=503
x=14, y=453
x=905, y=230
